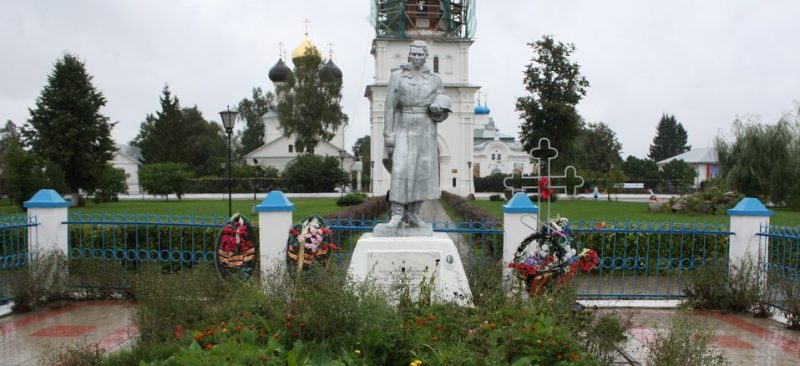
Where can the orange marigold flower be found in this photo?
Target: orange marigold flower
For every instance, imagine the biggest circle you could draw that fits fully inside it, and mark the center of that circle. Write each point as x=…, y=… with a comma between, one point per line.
x=209, y=346
x=178, y=332
x=199, y=337
x=575, y=357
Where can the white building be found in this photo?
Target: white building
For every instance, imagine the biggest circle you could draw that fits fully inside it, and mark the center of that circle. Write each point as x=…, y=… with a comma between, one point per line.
x=449, y=35
x=494, y=152
x=129, y=159
x=279, y=150
x=703, y=160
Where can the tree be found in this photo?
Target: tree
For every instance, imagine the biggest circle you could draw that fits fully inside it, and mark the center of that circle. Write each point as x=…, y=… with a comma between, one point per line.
x=763, y=160
x=678, y=174
x=67, y=128
x=251, y=111
x=670, y=139
x=314, y=173
x=309, y=107
x=111, y=185
x=555, y=87
x=162, y=179
x=10, y=132
x=598, y=148
x=361, y=150
x=641, y=170
x=24, y=173
x=181, y=135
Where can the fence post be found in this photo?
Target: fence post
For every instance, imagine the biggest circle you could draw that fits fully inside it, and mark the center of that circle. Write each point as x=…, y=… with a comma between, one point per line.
x=274, y=222
x=49, y=210
x=746, y=220
x=514, y=229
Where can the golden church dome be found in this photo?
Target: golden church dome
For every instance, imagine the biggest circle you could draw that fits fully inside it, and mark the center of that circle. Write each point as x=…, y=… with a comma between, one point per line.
x=304, y=48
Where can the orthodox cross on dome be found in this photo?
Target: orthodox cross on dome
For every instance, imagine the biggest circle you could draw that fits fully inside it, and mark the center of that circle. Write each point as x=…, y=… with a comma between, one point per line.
x=330, y=51
x=307, y=23
x=567, y=183
x=281, y=51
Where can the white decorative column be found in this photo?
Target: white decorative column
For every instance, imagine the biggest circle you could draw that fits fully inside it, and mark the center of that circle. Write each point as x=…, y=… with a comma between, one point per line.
x=49, y=210
x=274, y=222
x=746, y=220
x=514, y=229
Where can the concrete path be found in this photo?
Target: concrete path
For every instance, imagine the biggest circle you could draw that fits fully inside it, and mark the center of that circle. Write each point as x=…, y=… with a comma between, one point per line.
x=434, y=211
x=33, y=338
x=742, y=339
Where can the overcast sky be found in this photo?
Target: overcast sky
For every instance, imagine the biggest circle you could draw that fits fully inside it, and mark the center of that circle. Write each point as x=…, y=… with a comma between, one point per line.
x=706, y=62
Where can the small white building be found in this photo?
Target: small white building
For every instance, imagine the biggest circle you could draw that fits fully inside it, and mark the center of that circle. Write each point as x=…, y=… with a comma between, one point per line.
x=494, y=152
x=703, y=160
x=129, y=158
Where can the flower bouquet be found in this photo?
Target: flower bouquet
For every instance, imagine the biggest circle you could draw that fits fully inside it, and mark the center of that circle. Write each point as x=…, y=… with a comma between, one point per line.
x=235, y=249
x=553, y=259
x=309, y=242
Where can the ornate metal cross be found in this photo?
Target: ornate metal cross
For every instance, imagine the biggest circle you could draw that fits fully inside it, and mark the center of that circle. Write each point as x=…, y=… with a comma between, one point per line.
x=544, y=152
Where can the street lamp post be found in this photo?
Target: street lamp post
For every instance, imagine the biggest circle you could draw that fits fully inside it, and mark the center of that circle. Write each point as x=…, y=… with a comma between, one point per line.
x=229, y=120
x=342, y=154
x=470, y=176
x=371, y=185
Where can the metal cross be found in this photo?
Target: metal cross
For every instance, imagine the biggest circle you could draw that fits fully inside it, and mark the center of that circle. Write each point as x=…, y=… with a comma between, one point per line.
x=565, y=182
x=307, y=23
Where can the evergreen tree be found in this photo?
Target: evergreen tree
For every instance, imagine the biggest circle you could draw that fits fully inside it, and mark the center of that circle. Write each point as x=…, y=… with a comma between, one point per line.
x=555, y=87
x=598, y=149
x=67, y=128
x=309, y=108
x=162, y=138
x=251, y=111
x=205, y=146
x=10, y=132
x=670, y=139
x=641, y=170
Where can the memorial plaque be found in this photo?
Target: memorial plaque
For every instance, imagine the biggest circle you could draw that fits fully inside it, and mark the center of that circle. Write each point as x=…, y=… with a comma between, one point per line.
x=393, y=267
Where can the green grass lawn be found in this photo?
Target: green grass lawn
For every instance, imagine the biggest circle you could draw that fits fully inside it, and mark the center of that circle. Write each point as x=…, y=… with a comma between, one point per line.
x=629, y=211
x=303, y=207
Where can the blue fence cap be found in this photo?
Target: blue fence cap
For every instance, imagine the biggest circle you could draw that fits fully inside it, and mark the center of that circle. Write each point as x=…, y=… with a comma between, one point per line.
x=46, y=198
x=274, y=202
x=520, y=203
x=750, y=206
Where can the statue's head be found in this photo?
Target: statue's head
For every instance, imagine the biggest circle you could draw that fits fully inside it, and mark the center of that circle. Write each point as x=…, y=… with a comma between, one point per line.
x=417, y=54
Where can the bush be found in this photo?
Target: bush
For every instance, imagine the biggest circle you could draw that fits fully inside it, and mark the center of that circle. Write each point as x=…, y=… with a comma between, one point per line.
x=789, y=290
x=78, y=355
x=496, y=198
x=683, y=345
x=314, y=173
x=165, y=178
x=737, y=288
x=350, y=199
x=112, y=184
x=42, y=281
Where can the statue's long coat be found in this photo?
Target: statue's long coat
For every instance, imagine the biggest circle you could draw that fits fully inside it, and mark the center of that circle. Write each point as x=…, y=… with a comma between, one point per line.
x=414, y=161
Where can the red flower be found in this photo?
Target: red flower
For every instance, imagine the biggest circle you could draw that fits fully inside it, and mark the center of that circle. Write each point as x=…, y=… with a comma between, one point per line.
x=228, y=243
x=209, y=346
x=294, y=232
x=326, y=231
x=178, y=332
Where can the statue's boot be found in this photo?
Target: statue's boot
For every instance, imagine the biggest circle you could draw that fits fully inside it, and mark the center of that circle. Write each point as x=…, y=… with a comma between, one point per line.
x=414, y=218
x=397, y=210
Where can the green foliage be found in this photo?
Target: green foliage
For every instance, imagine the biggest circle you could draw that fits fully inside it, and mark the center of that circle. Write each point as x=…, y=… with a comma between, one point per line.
x=683, y=344
x=309, y=108
x=710, y=201
x=176, y=135
x=251, y=111
x=42, y=281
x=789, y=292
x=493, y=183
x=361, y=150
x=738, y=289
x=350, y=199
x=313, y=173
x=24, y=173
x=678, y=174
x=496, y=198
x=641, y=170
x=597, y=148
x=67, y=128
x=84, y=354
x=555, y=87
x=670, y=139
x=112, y=184
x=763, y=160
x=164, y=179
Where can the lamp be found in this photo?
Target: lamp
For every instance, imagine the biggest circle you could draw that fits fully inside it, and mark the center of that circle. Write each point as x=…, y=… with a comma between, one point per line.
x=229, y=120
x=342, y=154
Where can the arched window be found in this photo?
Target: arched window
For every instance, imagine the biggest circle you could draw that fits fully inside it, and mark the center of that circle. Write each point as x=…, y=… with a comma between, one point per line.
x=291, y=148
x=454, y=182
x=499, y=157
x=436, y=64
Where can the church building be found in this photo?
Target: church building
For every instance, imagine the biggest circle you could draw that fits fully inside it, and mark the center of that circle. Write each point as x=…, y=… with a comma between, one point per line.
x=448, y=27
x=279, y=150
x=494, y=152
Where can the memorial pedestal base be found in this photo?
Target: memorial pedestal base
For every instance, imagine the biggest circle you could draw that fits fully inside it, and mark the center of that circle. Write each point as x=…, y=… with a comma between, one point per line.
x=415, y=261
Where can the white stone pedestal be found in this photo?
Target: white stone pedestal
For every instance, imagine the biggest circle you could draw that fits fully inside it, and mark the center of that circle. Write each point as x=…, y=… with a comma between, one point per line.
x=391, y=261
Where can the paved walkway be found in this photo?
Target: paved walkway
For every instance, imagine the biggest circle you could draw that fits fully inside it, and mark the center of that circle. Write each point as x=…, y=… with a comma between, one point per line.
x=743, y=339
x=30, y=339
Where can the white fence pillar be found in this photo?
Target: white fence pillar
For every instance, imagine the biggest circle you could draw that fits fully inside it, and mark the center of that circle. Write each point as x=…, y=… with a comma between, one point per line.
x=274, y=222
x=746, y=220
x=49, y=210
x=514, y=229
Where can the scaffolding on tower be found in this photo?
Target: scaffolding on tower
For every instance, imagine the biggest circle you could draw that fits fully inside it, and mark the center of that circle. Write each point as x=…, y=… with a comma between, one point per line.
x=423, y=19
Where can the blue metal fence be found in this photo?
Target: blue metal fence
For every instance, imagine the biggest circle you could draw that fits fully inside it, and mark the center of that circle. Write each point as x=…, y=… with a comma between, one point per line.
x=174, y=241
x=647, y=260
x=779, y=259
x=14, y=251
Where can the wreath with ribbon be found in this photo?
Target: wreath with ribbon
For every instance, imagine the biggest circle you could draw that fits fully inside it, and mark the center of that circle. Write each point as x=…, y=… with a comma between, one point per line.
x=310, y=242
x=548, y=258
x=236, y=252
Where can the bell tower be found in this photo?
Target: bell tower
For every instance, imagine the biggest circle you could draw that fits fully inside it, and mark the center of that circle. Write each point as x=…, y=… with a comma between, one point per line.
x=448, y=27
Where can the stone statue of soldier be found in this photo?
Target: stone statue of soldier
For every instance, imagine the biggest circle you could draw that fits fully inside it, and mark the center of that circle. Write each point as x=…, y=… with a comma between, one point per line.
x=415, y=104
